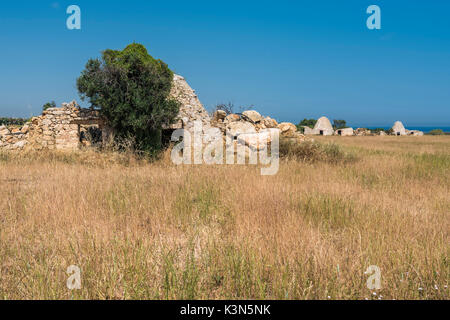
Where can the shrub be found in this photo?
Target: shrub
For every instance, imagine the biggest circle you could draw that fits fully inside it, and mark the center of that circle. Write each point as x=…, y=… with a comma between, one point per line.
x=131, y=89
x=307, y=123
x=228, y=108
x=436, y=132
x=314, y=152
x=13, y=121
x=378, y=130
x=49, y=105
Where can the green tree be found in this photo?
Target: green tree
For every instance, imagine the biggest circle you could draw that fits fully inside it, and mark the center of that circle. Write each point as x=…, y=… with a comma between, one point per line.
x=49, y=105
x=131, y=90
x=307, y=123
x=339, y=124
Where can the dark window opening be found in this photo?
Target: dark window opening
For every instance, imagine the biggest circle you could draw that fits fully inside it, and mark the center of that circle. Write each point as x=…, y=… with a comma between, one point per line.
x=166, y=137
x=90, y=136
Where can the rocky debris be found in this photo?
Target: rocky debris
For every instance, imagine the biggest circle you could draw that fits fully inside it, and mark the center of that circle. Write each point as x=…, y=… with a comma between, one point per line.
x=219, y=115
x=232, y=118
x=255, y=141
x=25, y=129
x=240, y=127
x=270, y=123
x=4, y=131
x=253, y=115
x=287, y=129
x=415, y=133
x=363, y=132
x=382, y=133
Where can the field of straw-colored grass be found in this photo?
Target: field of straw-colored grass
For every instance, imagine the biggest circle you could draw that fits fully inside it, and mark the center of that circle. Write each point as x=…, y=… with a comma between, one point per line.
x=145, y=230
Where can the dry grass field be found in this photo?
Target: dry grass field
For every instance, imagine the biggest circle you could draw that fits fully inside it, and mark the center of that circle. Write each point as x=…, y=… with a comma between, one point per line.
x=145, y=230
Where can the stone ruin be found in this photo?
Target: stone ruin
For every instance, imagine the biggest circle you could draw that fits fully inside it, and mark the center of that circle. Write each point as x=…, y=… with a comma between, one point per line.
x=71, y=127
x=398, y=129
x=191, y=108
x=323, y=127
x=64, y=128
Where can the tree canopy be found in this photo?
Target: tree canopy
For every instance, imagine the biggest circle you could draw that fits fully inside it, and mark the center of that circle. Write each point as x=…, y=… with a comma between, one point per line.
x=131, y=90
x=339, y=124
x=49, y=105
x=306, y=123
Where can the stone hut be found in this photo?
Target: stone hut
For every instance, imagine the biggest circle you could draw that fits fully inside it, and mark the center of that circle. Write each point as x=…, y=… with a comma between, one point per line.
x=398, y=129
x=191, y=108
x=345, y=132
x=415, y=133
x=323, y=127
x=70, y=127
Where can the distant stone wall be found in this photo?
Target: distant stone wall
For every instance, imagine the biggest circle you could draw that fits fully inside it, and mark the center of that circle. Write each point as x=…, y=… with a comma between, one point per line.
x=55, y=129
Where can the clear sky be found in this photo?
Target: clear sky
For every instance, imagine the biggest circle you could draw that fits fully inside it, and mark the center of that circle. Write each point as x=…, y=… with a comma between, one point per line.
x=289, y=59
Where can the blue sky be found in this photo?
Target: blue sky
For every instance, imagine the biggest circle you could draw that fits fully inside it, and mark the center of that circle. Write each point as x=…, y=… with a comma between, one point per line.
x=289, y=59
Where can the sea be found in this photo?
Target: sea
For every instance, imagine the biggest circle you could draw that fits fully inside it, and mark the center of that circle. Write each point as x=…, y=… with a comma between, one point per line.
x=424, y=129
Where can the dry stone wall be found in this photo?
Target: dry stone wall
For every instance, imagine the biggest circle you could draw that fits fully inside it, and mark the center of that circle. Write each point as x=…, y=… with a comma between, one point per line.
x=191, y=108
x=55, y=129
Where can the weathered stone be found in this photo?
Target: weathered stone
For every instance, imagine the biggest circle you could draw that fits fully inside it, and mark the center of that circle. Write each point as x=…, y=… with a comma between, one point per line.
x=240, y=127
x=253, y=115
x=20, y=144
x=25, y=129
x=363, y=132
x=287, y=128
x=4, y=131
x=219, y=115
x=232, y=118
x=270, y=123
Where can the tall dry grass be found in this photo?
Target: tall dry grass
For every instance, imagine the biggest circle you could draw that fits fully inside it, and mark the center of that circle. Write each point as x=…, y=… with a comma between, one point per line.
x=143, y=230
